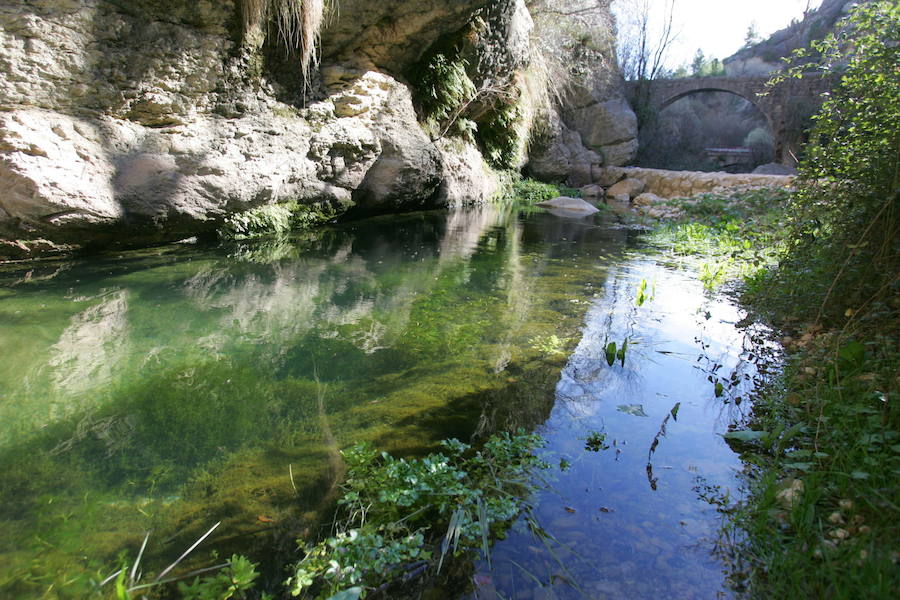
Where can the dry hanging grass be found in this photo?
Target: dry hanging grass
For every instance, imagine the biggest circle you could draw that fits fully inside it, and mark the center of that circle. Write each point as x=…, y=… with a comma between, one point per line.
x=298, y=24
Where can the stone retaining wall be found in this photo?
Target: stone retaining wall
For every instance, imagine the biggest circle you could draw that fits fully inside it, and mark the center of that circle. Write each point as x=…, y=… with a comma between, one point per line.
x=684, y=184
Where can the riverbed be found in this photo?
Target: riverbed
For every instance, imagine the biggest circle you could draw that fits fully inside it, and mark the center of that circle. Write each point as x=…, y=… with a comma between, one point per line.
x=170, y=389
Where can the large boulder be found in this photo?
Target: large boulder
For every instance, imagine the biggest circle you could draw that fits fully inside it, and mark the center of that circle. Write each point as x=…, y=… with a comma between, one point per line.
x=774, y=169
x=569, y=203
x=592, y=193
x=609, y=128
x=568, y=208
x=560, y=155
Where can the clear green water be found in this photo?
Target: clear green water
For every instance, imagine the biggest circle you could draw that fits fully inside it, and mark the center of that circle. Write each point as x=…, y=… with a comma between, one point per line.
x=170, y=389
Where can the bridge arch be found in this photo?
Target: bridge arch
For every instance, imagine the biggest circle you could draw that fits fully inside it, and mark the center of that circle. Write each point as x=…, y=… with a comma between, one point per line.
x=684, y=94
x=775, y=104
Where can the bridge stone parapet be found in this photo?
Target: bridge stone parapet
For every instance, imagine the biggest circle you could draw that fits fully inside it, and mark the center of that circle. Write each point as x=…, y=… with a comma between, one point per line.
x=785, y=106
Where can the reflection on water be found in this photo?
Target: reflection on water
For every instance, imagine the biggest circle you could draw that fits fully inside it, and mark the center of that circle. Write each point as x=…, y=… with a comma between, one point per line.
x=169, y=389
x=637, y=518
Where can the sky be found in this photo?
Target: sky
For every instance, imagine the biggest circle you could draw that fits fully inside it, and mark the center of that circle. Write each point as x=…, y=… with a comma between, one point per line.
x=718, y=27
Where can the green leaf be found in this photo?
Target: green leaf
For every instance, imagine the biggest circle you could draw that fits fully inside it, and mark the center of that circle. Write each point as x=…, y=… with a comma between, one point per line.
x=859, y=475
x=349, y=594
x=635, y=410
x=611, y=353
x=800, y=466
x=745, y=435
x=852, y=355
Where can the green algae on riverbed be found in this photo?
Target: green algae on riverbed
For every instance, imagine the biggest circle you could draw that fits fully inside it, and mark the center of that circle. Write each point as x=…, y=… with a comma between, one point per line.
x=168, y=390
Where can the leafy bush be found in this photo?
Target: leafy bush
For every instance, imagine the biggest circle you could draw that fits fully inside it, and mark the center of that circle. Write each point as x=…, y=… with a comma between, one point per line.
x=761, y=144
x=499, y=136
x=275, y=219
x=230, y=582
x=263, y=220
x=392, y=507
x=441, y=86
x=844, y=224
x=532, y=191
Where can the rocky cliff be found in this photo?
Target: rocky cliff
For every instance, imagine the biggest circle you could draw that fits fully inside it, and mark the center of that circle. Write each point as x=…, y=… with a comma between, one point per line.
x=138, y=121
x=765, y=57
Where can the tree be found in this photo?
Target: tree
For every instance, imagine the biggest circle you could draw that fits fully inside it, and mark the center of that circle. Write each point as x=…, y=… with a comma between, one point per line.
x=698, y=63
x=752, y=37
x=846, y=212
x=643, y=44
x=644, y=41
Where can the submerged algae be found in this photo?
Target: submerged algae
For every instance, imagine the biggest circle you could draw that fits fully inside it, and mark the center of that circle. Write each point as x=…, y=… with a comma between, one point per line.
x=185, y=387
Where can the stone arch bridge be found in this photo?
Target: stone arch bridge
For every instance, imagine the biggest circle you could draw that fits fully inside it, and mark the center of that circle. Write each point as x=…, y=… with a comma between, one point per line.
x=786, y=107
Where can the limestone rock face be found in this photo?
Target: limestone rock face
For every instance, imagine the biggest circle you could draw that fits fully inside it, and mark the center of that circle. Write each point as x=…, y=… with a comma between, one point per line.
x=561, y=156
x=391, y=34
x=609, y=128
x=765, y=57
x=139, y=122
x=145, y=122
x=74, y=178
x=467, y=179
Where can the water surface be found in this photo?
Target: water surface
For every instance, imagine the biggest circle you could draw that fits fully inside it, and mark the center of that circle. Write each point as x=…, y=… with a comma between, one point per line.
x=169, y=389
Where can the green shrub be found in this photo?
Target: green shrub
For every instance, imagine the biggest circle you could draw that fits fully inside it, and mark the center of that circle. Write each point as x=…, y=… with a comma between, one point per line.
x=844, y=242
x=270, y=219
x=441, y=86
x=499, y=136
x=275, y=219
x=532, y=192
x=761, y=144
x=395, y=510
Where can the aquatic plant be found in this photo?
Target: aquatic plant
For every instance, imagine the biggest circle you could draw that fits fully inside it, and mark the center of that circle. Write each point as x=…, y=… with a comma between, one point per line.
x=401, y=515
x=595, y=442
x=548, y=345
x=230, y=580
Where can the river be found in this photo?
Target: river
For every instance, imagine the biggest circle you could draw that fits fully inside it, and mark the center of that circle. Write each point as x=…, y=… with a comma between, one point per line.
x=169, y=389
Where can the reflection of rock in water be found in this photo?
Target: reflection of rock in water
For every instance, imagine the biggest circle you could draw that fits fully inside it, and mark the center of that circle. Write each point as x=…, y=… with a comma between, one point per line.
x=90, y=350
x=465, y=228
x=280, y=302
